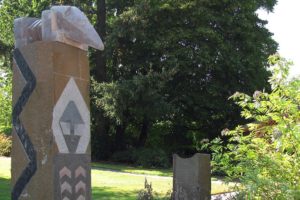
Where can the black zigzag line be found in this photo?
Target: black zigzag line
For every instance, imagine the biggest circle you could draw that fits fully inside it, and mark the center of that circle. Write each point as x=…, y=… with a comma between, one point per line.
x=30, y=169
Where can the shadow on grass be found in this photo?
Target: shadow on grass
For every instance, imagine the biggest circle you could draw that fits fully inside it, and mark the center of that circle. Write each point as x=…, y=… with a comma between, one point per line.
x=117, y=167
x=98, y=193
x=4, y=189
x=108, y=193
x=105, y=193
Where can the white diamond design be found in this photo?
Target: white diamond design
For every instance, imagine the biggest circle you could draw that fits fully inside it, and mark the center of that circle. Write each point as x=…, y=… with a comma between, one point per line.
x=71, y=93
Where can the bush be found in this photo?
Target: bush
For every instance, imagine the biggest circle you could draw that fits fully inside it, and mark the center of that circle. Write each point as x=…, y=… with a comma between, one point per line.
x=5, y=145
x=127, y=156
x=148, y=194
x=145, y=157
x=264, y=155
x=152, y=158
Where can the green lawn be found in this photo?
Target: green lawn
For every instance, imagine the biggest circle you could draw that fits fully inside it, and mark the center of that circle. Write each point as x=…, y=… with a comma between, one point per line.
x=112, y=185
x=4, y=178
x=131, y=169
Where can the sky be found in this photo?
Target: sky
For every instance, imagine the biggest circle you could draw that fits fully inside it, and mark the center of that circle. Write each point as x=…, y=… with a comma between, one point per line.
x=284, y=23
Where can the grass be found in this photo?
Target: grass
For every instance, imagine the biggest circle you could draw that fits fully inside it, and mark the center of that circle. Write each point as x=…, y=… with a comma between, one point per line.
x=133, y=170
x=4, y=178
x=113, y=185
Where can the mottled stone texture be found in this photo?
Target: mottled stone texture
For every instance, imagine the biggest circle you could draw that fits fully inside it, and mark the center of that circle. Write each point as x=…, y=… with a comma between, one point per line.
x=191, y=177
x=72, y=177
x=53, y=66
x=66, y=24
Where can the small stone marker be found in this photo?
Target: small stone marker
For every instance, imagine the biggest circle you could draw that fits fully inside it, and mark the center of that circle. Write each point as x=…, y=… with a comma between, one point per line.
x=191, y=177
x=51, y=117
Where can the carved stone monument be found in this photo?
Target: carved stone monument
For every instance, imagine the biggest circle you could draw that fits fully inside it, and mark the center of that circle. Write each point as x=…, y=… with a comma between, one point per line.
x=51, y=117
x=191, y=177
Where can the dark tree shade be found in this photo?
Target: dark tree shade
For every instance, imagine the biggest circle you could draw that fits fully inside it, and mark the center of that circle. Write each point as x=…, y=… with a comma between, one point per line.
x=208, y=49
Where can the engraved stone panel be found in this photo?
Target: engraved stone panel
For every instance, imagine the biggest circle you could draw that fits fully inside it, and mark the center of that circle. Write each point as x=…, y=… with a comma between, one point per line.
x=73, y=178
x=71, y=121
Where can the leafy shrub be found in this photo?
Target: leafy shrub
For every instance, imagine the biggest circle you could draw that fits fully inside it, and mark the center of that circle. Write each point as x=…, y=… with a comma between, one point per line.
x=5, y=145
x=127, y=156
x=145, y=157
x=152, y=158
x=264, y=155
x=146, y=193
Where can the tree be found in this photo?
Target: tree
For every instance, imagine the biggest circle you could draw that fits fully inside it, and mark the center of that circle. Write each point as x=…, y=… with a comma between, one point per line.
x=200, y=52
x=264, y=154
x=135, y=102
x=209, y=50
x=100, y=123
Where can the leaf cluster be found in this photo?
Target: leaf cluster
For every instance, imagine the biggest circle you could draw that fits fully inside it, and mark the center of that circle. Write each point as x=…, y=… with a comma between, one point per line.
x=6, y=101
x=264, y=154
x=132, y=100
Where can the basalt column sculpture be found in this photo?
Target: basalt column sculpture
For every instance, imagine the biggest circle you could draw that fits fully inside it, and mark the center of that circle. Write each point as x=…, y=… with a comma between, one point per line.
x=51, y=116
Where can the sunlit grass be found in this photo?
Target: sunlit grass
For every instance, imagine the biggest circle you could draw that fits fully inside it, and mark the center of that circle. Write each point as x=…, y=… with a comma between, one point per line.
x=4, y=178
x=4, y=167
x=131, y=169
x=113, y=185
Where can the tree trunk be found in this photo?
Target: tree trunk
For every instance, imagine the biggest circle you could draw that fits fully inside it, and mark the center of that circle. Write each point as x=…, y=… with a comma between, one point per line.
x=144, y=133
x=101, y=128
x=100, y=58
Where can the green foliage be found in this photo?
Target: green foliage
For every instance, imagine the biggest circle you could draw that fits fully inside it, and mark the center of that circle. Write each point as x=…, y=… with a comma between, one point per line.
x=264, y=154
x=146, y=193
x=132, y=99
x=205, y=50
x=131, y=103
x=171, y=66
x=152, y=158
x=5, y=101
x=127, y=156
x=144, y=157
x=5, y=145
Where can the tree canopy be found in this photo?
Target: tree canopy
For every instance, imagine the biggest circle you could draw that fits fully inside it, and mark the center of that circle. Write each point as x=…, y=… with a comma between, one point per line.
x=204, y=51
x=168, y=69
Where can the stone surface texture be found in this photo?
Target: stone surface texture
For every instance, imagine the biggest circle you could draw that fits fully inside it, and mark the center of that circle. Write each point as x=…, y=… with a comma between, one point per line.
x=27, y=30
x=72, y=177
x=66, y=24
x=53, y=65
x=69, y=25
x=191, y=177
